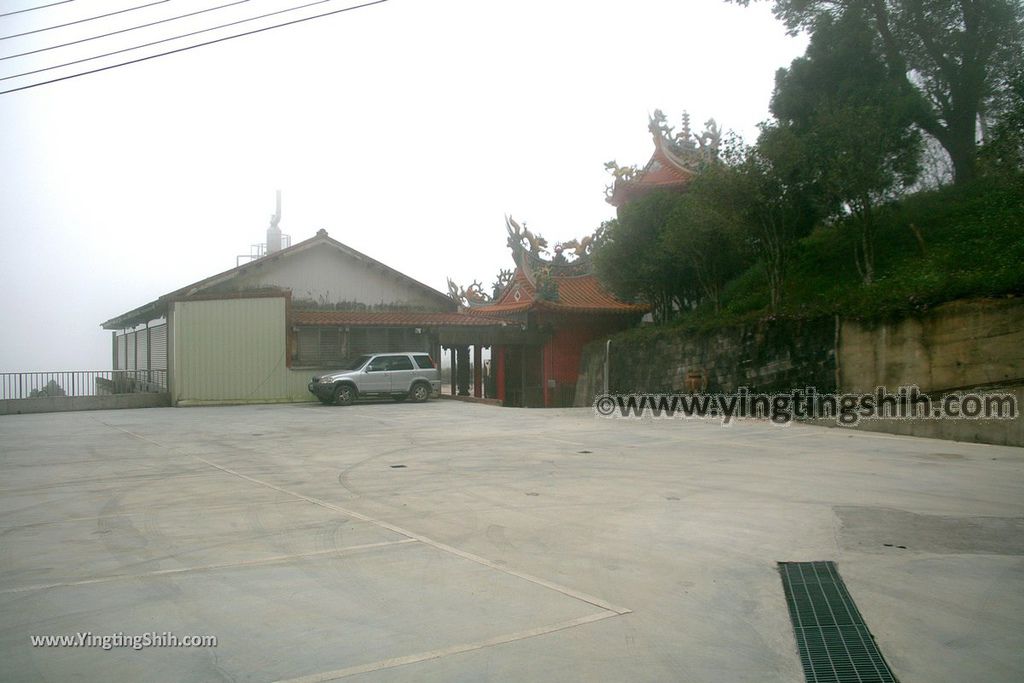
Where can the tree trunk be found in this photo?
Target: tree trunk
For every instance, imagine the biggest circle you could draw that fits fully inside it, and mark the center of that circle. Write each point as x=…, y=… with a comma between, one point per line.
x=864, y=253
x=963, y=154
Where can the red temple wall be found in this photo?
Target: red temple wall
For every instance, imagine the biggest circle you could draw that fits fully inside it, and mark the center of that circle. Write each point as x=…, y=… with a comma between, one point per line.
x=563, y=351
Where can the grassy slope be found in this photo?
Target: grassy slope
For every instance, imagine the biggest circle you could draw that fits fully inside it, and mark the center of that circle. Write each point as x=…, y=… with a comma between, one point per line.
x=973, y=247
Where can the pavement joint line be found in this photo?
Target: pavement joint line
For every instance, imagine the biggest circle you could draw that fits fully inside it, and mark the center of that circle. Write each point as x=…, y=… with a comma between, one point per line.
x=130, y=433
x=571, y=443
x=99, y=481
x=451, y=650
x=204, y=568
x=565, y=590
x=142, y=511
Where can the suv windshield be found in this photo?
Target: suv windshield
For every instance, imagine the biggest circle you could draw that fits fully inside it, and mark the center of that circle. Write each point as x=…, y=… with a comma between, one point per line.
x=354, y=363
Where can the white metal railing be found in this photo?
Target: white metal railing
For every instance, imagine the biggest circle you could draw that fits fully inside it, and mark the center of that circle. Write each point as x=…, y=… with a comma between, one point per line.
x=18, y=385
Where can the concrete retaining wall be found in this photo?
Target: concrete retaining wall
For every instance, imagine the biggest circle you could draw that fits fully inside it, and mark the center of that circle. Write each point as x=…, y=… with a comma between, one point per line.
x=999, y=432
x=768, y=356
x=959, y=345
x=58, y=404
x=973, y=345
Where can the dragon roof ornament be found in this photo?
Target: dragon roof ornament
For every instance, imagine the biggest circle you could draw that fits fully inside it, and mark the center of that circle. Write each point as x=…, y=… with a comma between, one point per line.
x=529, y=251
x=473, y=295
x=693, y=149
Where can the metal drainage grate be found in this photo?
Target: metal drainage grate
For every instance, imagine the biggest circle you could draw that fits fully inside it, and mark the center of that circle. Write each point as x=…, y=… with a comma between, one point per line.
x=834, y=642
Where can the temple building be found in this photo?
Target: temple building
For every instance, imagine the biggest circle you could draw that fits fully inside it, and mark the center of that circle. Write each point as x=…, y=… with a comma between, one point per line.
x=677, y=158
x=558, y=306
x=554, y=307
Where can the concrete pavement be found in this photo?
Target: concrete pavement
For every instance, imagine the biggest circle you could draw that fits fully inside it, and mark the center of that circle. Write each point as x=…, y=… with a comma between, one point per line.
x=456, y=542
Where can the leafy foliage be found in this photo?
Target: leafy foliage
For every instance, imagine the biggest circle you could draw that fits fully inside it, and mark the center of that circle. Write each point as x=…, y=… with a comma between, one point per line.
x=51, y=388
x=1003, y=151
x=701, y=234
x=951, y=56
x=772, y=200
x=955, y=242
x=768, y=229
x=630, y=260
x=838, y=102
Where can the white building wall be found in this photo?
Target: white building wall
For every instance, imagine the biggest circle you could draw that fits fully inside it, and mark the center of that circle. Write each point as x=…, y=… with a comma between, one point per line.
x=327, y=276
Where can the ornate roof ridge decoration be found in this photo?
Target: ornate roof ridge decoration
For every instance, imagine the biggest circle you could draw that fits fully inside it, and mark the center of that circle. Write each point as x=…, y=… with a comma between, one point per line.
x=686, y=148
x=528, y=253
x=473, y=295
x=528, y=250
x=572, y=294
x=676, y=159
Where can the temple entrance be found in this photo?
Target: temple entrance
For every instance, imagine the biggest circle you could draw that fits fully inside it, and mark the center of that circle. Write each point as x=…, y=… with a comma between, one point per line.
x=523, y=378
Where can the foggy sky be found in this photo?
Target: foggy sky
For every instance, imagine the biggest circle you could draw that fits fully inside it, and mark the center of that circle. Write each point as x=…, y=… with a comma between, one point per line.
x=407, y=130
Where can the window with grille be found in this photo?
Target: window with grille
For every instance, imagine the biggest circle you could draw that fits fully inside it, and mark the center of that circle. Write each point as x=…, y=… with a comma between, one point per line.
x=321, y=345
x=327, y=345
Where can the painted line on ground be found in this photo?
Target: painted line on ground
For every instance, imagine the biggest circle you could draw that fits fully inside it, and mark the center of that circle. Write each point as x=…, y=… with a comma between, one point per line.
x=130, y=512
x=277, y=559
x=555, y=438
x=565, y=590
x=448, y=651
x=597, y=602
x=131, y=478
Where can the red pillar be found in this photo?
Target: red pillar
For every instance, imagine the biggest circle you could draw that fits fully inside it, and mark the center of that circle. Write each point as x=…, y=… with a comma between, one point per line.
x=498, y=363
x=478, y=371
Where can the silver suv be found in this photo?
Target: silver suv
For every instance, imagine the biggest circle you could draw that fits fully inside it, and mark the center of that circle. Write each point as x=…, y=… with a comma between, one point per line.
x=398, y=375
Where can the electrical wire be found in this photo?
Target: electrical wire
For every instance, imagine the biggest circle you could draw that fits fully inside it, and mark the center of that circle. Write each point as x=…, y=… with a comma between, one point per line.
x=123, y=30
x=32, y=9
x=82, y=21
x=165, y=40
x=192, y=47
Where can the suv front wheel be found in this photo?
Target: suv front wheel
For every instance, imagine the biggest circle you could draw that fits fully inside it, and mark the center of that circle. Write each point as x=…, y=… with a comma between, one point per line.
x=344, y=395
x=420, y=392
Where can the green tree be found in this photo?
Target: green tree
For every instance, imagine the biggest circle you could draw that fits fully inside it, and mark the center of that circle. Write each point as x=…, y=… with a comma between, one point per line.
x=631, y=261
x=702, y=235
x=1003, y=151
x=952, y=56
x=837, y=100
x=51, y=388
x=769, y=199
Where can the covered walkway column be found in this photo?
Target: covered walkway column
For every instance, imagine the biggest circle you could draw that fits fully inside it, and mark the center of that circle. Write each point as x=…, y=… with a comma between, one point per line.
x=452, y=378
x=478, y=371
x=498, y=367
x=462, y=374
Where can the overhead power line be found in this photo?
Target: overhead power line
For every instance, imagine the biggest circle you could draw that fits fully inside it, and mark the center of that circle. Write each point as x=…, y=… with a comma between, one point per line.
x=192, y=47
x=123, y=30
x=32, y=9
x=165, y=40
x=82, y=21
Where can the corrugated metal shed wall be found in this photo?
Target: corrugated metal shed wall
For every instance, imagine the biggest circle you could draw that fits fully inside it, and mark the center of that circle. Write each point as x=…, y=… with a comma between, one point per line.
x=230, y=350
x=130, y=342
x=122, y=361
x=142, y=350
x=133, y=349
x=158, y=341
